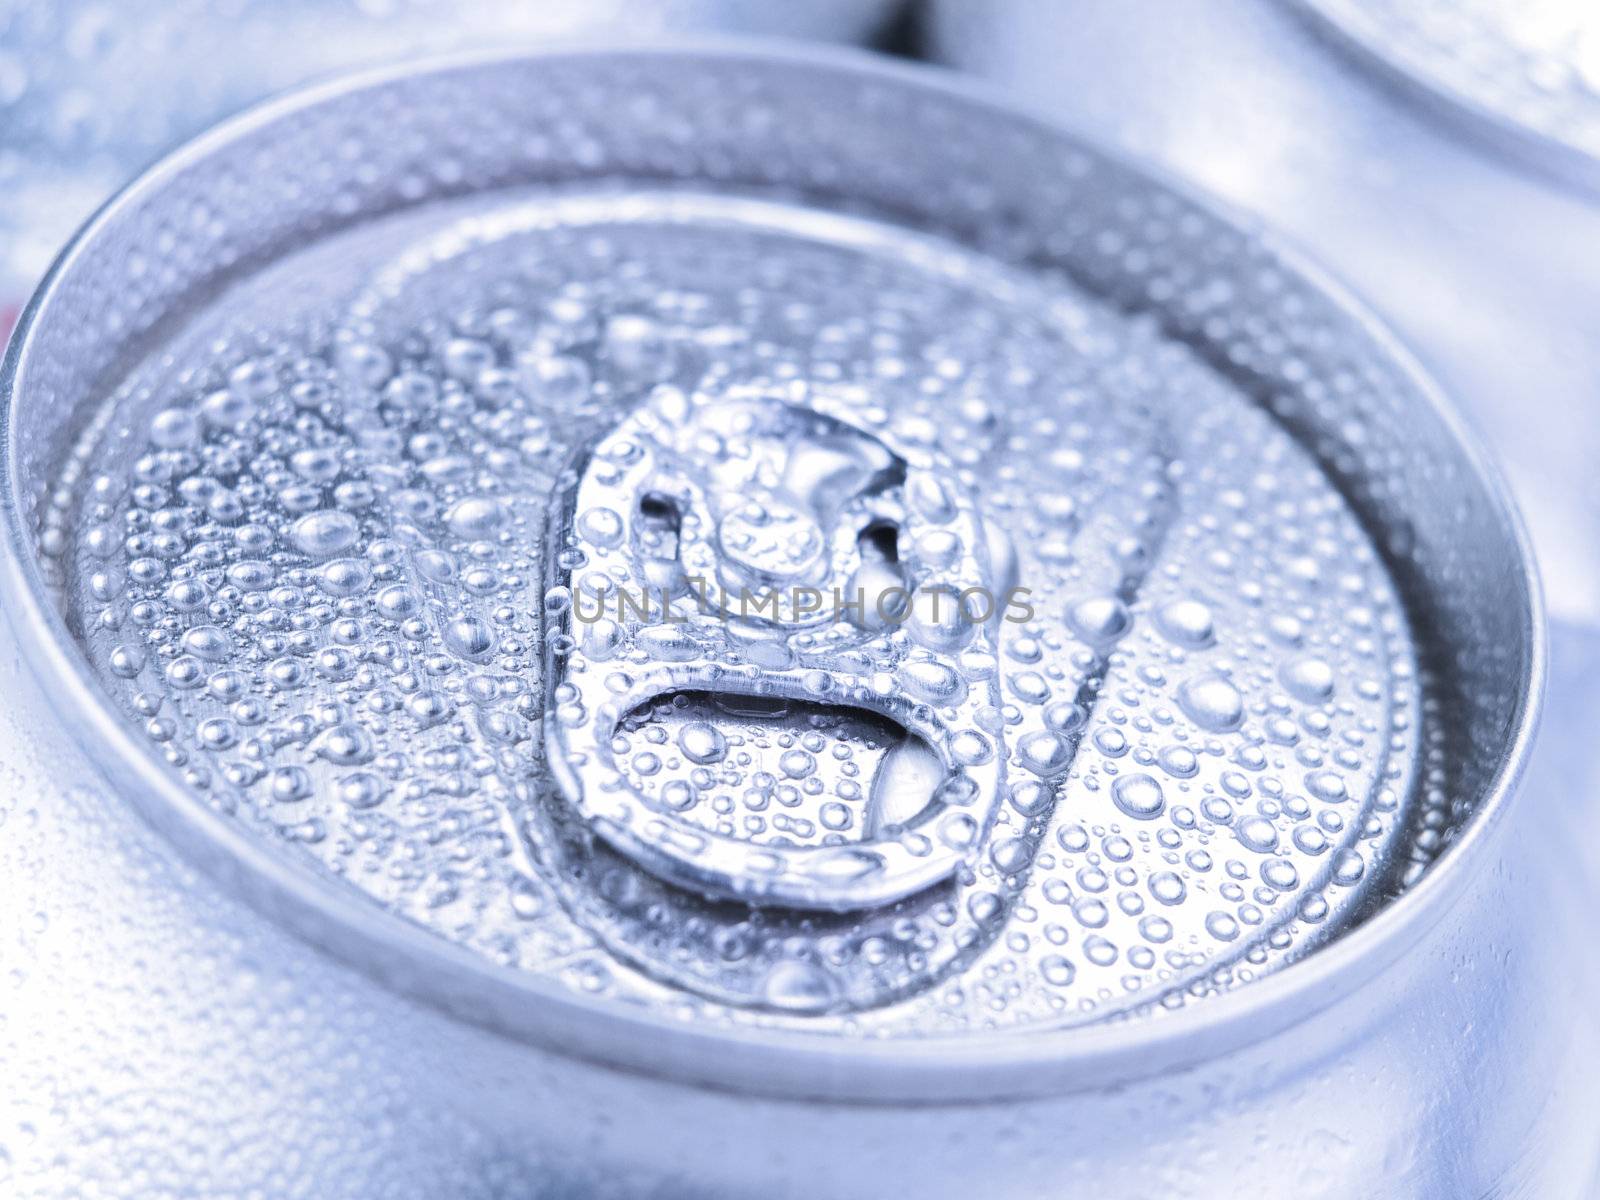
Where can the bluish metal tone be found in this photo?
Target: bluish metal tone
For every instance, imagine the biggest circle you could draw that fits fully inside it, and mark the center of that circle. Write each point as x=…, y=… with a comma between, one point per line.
x=168, y=969
x=91, y=93
x=1474, y=234
x=661, y=445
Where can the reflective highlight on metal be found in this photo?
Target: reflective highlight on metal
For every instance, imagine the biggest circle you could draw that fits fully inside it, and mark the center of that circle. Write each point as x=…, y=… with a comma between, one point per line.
x=188, y=949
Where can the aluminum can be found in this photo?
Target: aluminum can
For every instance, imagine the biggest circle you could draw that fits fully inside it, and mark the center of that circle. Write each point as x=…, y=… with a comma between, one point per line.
x=1439, y=158
x=92, y=93
x=483, y=721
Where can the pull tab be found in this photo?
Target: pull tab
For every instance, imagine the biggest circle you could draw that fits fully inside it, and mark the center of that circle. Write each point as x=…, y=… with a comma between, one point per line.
x=756, y=548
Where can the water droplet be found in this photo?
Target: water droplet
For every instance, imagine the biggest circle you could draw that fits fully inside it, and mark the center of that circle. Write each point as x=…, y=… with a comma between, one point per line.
x=1139, y=796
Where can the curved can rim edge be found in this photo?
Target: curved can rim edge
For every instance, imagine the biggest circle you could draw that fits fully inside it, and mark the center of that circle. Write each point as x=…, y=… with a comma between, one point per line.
x=424, y=967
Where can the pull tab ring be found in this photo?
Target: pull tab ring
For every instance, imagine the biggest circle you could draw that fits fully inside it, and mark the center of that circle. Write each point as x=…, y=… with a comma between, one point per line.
x=738, y=548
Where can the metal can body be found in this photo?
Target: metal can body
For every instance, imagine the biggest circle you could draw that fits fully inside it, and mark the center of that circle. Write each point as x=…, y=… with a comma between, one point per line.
x=151, y=1016
x=1474, y=240
x=167, y=973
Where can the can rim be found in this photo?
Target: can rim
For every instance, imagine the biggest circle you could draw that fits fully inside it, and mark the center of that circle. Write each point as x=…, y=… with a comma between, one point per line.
x=1562, y=161
x=429, y=969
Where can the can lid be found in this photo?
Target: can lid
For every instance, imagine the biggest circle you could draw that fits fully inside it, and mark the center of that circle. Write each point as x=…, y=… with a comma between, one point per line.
x=496, y=575
x=1129, y=709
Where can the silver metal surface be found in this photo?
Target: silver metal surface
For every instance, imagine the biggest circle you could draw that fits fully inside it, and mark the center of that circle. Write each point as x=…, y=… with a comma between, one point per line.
x=1476, y=238
x=852, y=482
x=91, y=93
x=403, y=1063
x=1527, y=75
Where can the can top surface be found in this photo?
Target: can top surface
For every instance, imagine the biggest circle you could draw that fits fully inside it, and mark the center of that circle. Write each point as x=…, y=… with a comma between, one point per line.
x=538, y=524
x=1528, y=74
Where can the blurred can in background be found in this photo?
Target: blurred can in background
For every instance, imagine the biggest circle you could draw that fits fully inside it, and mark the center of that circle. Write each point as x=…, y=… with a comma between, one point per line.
x=1442, y=158
x=320, y=822
x=91, y=92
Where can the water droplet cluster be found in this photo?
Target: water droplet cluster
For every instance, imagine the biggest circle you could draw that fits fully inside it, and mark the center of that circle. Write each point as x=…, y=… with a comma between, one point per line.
x=305, y=547
x=773, y=772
